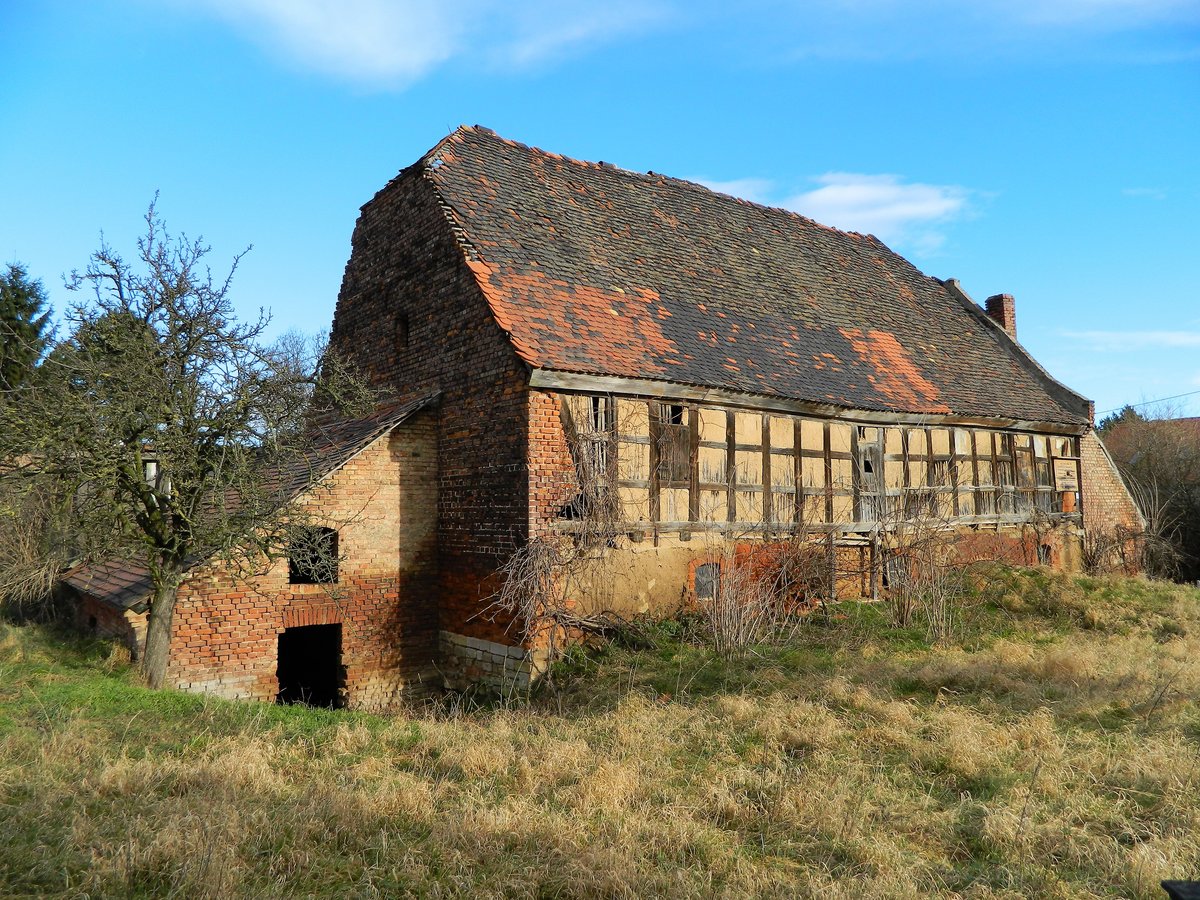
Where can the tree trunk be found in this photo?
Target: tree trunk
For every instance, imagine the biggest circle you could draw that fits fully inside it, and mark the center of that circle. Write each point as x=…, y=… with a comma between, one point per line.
x=158, y=636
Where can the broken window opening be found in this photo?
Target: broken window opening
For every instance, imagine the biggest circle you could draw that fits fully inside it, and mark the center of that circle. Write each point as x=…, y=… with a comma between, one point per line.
x=313, y=556
x=673, y=437
x=310, y=667
x=671, y=414
x=401, y=335
x=894, y=571
x=589, y=424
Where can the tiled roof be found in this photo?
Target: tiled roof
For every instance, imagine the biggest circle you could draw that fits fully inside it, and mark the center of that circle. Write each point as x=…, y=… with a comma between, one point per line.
x=121, y=583
x=125, y=584
x=599, y=270
x=334, y=443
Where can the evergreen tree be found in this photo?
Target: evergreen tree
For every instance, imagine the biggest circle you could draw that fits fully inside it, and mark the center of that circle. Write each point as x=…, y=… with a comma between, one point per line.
x=23, y=320
x=1127, y=415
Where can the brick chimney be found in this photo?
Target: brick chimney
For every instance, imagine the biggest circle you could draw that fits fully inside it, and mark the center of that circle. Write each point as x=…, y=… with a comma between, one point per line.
x=1002, y=309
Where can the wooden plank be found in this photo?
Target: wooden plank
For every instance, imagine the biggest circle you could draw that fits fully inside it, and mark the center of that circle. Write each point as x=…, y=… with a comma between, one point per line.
x=828, y=476
x=768, y=517
x=798, y=511
x=652, y=408
x=855, y=476
x=730, y=467
x=975, y=471
x=953, y=467
x=694, y=485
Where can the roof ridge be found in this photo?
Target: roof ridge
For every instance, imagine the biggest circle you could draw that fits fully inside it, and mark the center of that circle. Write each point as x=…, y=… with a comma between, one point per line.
x=650, y=176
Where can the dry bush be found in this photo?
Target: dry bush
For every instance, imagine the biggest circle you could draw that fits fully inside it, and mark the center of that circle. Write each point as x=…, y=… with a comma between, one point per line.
x=762, y=595
x=34, y=545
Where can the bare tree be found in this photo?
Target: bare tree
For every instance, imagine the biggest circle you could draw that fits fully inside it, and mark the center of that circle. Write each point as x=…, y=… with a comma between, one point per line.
x=164, y=422
x=1158, y=453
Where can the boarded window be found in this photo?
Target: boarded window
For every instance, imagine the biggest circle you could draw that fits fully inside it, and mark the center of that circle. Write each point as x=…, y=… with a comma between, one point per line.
x=673, y=438
x=708, y=581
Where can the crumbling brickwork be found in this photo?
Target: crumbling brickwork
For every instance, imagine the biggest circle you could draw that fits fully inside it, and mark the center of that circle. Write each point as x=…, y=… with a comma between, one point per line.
x=106, y=621
x=411, y=314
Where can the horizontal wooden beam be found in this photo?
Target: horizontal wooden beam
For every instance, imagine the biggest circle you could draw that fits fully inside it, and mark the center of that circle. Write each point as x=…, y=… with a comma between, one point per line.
x=646, y=388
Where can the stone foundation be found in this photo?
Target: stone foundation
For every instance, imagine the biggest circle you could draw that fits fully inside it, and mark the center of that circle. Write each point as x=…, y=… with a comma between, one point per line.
x=469, y=660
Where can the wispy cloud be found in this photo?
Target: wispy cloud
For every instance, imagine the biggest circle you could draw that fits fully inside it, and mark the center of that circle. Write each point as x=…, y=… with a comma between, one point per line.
x=1146, y=30
x=1147, y=192
x=1136, y=340
x=885, y=206
x=756, y=190
x=545, y=31
x=374, y=41
x=390, y=43
x=913, y=215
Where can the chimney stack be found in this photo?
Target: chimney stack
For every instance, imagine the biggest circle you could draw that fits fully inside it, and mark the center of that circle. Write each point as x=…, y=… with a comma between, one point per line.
x=1002, y=309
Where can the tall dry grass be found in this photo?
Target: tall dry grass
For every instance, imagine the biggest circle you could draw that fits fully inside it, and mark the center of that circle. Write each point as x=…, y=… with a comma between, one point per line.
x=1041, y=757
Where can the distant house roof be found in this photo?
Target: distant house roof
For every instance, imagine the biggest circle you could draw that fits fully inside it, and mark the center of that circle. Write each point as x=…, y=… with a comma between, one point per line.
x=126, y=585
x=598, y=270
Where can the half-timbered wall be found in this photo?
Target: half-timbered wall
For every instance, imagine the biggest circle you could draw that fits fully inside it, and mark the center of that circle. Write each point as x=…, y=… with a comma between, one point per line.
x=680, y=466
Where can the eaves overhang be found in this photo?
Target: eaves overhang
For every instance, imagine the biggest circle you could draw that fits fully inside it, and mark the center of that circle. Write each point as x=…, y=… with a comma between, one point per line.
x=578, y=382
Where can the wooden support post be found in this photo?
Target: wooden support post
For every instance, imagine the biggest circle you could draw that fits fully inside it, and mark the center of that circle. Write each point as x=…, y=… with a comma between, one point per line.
x=730, y=467
x=768, y=512
x=694, y=452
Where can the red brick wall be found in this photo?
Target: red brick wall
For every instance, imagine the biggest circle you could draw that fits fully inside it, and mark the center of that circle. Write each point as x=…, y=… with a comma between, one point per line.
x=406, y=265
x=382, y=503
x=552, y=478
x=102, y=620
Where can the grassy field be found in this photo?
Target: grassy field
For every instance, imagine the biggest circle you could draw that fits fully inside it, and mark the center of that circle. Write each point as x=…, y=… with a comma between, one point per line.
x=1053, y=750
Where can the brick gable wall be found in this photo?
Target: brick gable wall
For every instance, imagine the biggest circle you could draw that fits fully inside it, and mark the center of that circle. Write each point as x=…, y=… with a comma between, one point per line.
x=227, y=626
x=411, y=314
x=1107, y=503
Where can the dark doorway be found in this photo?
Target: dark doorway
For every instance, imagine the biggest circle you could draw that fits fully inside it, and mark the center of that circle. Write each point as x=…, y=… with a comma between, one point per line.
x=310, y=666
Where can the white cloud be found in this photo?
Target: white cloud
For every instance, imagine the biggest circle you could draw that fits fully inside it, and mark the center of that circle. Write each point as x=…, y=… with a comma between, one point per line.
x=1144, y=30
x=372, y=41
x=391, y=43
x=1136, y=340
x=885, y=206
x=911, y=215
x=545, y=31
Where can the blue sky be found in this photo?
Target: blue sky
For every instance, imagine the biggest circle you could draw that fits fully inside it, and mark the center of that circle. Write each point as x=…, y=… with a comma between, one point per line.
x=1050, y=150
